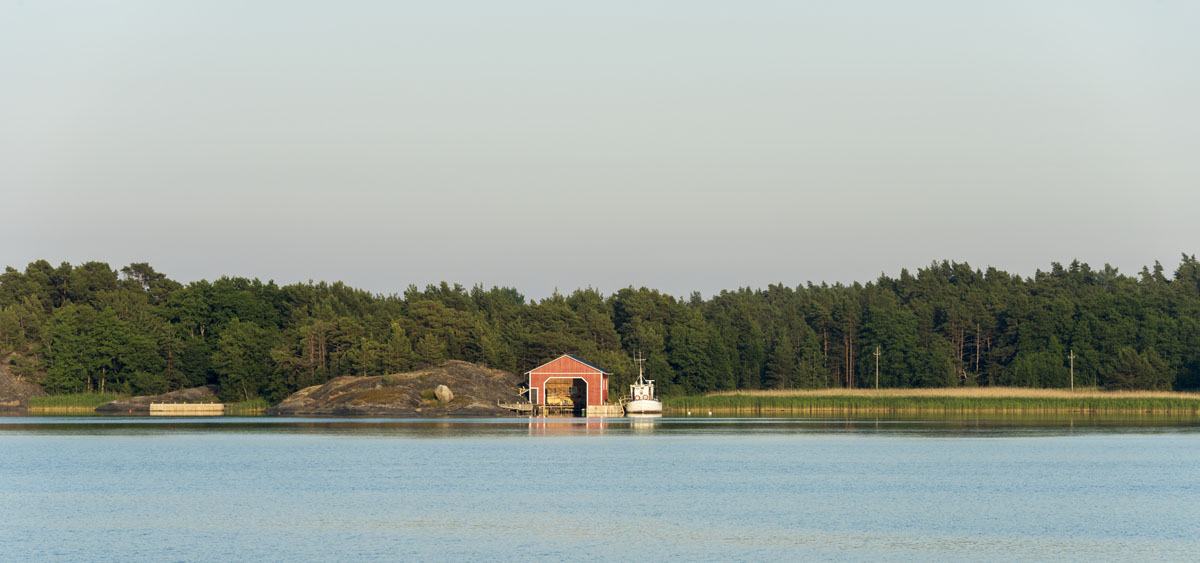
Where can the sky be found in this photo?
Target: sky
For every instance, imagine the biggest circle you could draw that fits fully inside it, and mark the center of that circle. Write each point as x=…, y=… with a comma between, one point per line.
x=549, y=145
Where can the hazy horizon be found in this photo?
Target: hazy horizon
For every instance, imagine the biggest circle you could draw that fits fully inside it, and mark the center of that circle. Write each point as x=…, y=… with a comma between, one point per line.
x=679, y=146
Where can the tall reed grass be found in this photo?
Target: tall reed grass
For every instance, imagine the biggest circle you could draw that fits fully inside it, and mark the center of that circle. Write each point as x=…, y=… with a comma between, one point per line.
x=72, y=403
x=980, y=399
x=253, y=407
x=73, y=400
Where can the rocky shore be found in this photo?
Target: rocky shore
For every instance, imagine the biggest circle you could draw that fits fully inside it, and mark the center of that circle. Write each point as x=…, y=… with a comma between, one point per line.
x=454, y=388
x=14, y=392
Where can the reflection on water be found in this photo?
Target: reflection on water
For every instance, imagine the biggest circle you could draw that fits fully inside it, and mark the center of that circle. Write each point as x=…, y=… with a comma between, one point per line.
x=924, y=488
x=554, y=426
x=644, y=423
x=931, y=425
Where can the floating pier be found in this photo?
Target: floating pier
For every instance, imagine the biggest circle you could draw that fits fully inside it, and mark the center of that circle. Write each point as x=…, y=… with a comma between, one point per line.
x=607, y=411
x=187, y=409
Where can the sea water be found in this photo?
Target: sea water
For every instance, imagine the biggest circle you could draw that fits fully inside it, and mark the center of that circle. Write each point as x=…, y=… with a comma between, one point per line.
x=106, y=489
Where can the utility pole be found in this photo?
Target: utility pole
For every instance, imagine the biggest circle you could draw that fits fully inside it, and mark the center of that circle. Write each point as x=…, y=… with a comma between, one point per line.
x=1072, y=358
x=876, y=367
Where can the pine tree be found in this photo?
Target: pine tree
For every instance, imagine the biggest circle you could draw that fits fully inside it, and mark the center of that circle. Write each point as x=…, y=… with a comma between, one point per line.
x=780, y=370
x=430, y=350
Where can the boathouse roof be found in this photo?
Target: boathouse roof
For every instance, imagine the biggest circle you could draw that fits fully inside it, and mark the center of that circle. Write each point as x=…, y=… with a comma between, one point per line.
x=574, y=358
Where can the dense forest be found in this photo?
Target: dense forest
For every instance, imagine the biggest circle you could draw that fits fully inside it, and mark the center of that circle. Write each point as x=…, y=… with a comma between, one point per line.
x=92, y=328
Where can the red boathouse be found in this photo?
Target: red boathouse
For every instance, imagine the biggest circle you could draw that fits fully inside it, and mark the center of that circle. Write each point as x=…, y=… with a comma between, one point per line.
x=567, y=383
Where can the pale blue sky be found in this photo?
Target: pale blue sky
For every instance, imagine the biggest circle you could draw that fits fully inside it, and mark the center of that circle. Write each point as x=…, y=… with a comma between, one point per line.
x=679, y=145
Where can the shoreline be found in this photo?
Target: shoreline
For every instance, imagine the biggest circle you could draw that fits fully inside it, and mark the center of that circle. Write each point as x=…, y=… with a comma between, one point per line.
x=821, y=402
x=981, y=400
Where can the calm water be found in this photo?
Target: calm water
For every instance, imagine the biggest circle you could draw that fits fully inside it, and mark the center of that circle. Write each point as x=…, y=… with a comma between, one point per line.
x=712, y=489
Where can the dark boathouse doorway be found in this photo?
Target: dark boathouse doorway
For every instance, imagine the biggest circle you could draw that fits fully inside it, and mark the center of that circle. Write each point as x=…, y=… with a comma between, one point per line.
x=566, y=395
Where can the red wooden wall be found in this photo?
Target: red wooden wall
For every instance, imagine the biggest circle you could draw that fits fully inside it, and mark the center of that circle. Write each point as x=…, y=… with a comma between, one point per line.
x=569, y=367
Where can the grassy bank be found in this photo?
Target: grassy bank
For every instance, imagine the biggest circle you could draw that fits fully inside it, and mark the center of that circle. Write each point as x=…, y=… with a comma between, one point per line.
x=950, y=400
x=253, y=407
x=74, y=403
x=86, y=403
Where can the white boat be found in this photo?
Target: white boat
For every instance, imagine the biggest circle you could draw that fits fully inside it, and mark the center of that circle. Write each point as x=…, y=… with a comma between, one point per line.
x=641, y=395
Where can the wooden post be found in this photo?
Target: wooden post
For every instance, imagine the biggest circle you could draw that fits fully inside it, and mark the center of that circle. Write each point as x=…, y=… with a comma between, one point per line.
x=876, y=367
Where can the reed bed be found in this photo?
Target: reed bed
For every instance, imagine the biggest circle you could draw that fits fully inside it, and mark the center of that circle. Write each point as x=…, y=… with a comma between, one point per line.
x=951, y=400
x=73, y=403
x=253, y=407
x=73, y=400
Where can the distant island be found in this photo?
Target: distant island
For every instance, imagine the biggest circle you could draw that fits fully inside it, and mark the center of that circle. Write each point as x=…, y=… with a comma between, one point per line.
x=93, y=332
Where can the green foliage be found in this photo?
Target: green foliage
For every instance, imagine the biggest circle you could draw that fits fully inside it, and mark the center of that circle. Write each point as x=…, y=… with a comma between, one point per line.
x=90, y=328
x=89, y=349
x=690, y=351
x=1131, y=370
x=146, y=383
x=1036, y=369
x=430, y=350
x=781, y=364
x=243, y=362
x=251, y=407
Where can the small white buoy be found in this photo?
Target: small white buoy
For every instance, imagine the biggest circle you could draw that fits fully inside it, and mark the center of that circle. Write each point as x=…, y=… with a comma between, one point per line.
x=689, y=413
x=709, y=413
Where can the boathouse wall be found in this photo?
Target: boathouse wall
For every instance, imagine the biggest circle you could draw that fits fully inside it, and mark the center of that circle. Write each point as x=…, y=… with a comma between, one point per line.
x=568, y=367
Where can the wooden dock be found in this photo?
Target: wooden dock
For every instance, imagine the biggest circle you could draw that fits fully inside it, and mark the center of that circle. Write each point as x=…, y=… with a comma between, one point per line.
x=187, y=409
x=607, y=411
x=522, y=408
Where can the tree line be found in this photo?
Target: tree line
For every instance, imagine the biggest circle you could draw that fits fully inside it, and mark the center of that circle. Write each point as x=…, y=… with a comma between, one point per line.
x=88, y=327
